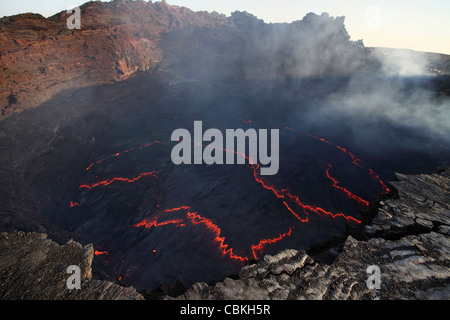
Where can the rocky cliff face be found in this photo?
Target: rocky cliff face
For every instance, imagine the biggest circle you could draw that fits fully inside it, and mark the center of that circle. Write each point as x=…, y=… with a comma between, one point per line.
x=408, y=240
x=36, y=269
x=40, y=57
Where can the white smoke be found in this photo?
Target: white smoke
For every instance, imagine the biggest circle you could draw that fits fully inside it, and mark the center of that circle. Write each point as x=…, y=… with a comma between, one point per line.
x=402, y=62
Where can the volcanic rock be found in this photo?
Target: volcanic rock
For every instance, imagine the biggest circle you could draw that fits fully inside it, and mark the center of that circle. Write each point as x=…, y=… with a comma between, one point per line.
x=427, y=207
x=40, y=57
x=408, y=240
x=33, y=267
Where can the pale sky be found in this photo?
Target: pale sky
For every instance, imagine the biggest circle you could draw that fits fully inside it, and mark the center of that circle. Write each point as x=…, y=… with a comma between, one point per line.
x=422, y=25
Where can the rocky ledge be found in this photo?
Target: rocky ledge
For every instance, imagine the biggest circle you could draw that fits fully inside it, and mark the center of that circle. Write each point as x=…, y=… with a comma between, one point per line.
x=33, y=267
x=408, y=240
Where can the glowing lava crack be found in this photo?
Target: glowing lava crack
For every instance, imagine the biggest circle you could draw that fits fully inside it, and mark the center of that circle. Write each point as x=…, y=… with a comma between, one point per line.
x=195, y=219
x=356, y=161
x=126, y=180
x=346, y=192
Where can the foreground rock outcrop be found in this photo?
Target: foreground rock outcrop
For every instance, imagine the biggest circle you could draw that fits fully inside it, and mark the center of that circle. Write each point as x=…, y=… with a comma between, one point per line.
x=33, y=267
x=408, y=240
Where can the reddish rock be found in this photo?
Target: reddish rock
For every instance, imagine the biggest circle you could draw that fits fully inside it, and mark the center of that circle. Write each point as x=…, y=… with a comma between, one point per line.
x=39, y=57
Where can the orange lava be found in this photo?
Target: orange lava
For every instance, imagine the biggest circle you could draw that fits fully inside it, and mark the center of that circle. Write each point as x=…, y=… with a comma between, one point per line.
x=196, y=219
x=112, y=180
x=260, y=246
x=344, y=190
x=358, y=162
x=377, y=178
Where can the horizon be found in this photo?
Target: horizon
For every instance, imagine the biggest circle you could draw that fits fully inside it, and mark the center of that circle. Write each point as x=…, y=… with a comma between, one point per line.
x=418, y=26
